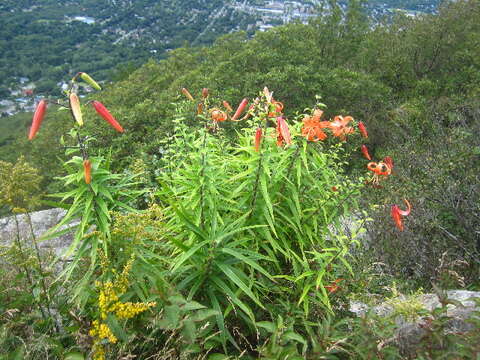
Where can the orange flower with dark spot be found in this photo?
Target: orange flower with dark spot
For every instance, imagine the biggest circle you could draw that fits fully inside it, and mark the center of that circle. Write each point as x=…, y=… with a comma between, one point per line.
x=397, y=214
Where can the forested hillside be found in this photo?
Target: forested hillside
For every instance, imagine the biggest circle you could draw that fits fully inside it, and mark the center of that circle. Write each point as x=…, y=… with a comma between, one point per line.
x=231, y=223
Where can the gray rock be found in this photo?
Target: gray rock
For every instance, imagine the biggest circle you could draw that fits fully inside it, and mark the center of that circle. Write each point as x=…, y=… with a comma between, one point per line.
x=409, y=334
x=42, y=221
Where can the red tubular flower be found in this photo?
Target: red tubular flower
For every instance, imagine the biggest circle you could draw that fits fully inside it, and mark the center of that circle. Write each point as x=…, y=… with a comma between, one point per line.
x=87, y=171
x=240, y=109
x=37, y=118
x=283, y=134
x=363, y=129
x=366, y=153
x=104, y=113
x=187, y=94
x=258, y=139
x=397, y=214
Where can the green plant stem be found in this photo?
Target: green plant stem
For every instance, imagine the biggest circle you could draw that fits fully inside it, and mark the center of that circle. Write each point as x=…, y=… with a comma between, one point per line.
x=40, y=269
x=202, y=177
x=25, y=268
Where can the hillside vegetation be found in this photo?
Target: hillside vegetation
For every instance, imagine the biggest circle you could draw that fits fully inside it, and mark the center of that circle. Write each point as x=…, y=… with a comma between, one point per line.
x=236, y=246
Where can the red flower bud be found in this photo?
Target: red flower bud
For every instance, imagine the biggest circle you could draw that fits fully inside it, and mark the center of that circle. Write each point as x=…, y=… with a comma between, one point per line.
x=87, y=171
x=199, y=108
x=37, y=118
x=104, y=113
x=258, y=139
x=187, y=94
x=227, y=106
x=365, y=152
x=75, y=108
x=240, y=109
x=363, y=130
x=283, y=133
x=204, y=93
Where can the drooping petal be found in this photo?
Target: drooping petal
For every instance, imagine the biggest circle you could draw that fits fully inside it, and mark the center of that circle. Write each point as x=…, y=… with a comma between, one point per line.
x=405, y=212
x=75, y=108
x=104, y=113
x=37, y=118
x=365, y=152
x=258, y=139
x=397, y=218
x=389, y=161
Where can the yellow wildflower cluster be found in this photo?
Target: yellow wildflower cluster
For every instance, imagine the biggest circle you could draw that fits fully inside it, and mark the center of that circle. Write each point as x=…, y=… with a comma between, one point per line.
x=102, y=331
x=109, y=303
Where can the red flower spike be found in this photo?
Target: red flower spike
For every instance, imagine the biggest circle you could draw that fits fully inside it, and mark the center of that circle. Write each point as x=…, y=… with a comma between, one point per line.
x=366, y=153
x=397, y=214
x=187, y=94
x=283, y=134
x=104, y=113
x=258, y=139
x=240, y=109
x=363, y=130
x=87, y=171
x=37, y=118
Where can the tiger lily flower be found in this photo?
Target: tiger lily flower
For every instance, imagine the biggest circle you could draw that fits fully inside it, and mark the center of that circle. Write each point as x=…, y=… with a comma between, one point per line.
x=339, y=126
x=218, y=115
x=283, y=133
x=397, y=214
x=389, y=162
x=37, y=118
x=333, y=287
x=312, y=127
x=278, y=109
